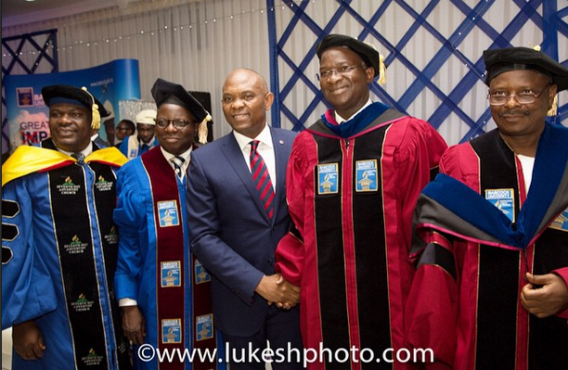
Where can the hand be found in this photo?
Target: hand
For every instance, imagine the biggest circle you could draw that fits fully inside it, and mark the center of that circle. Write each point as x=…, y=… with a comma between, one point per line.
x=544, y=295
x=27, y=341
x=133, y=324
x=274, y=288
x=287, y=305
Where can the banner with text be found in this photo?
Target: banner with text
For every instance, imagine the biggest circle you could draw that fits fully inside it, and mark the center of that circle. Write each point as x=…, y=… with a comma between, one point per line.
x=28, y=116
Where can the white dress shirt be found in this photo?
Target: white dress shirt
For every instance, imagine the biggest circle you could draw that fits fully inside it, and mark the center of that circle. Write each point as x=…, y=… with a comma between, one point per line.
x=265, y=149
x=340, y=119
x=185, y=155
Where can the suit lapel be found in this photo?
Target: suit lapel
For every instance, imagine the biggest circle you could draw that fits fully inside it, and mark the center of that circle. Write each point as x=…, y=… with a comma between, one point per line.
x=234, y=157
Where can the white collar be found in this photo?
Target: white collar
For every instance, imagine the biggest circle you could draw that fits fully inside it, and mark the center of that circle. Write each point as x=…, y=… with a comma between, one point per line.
x=185, y=155
x=265, y=137
x=86, y=152
x=340, y=119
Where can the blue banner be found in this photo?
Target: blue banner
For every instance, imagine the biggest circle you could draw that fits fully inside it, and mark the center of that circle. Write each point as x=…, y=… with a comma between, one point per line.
x=28, y=116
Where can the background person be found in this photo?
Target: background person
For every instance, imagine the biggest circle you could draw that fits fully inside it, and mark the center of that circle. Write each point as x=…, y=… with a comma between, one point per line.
x=124, y=128
x=135, y=145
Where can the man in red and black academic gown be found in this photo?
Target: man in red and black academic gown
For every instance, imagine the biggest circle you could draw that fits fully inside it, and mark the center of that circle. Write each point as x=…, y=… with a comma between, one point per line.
x=492, y=232
x=352, y=183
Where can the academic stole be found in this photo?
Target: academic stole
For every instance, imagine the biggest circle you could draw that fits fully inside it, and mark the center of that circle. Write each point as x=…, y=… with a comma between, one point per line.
x=171, y=276
x=82, y=271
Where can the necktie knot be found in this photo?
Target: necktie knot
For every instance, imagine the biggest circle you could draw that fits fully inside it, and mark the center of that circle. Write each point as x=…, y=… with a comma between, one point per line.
x=178, y=164
x=80, y=157
x=254, y=146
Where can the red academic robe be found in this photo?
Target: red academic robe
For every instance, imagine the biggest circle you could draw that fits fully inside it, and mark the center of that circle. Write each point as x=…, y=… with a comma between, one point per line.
x=465, y=300
x=351, y=200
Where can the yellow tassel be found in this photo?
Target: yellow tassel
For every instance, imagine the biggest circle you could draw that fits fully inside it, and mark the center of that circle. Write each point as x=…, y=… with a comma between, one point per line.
x=96, y=122
x=553, y=111
x=202, y=130
x=382, y=70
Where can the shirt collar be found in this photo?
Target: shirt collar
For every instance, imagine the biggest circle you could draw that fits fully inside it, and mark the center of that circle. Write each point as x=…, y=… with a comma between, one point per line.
x=340, y=119
x=185, y=155
x=265, y=137
x=86, y=152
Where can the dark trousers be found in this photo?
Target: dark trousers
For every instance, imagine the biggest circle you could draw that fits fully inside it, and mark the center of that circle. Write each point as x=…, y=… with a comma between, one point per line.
x=282, y=330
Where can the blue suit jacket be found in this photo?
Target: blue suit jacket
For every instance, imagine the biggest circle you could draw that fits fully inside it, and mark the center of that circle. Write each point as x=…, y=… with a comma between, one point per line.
x=230, y=232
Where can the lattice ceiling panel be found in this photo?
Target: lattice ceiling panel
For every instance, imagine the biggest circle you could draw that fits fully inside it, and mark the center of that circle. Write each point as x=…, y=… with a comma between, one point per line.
x=432, y=49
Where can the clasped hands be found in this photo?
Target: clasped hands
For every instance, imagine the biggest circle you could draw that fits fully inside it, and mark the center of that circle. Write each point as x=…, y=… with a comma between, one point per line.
x=275, y=289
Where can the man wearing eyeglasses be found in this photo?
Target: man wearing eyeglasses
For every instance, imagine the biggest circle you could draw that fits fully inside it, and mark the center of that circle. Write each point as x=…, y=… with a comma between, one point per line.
x=135, y=145
x=351, y=186
x=492, y=231
x=163, y=290
x=124, y=128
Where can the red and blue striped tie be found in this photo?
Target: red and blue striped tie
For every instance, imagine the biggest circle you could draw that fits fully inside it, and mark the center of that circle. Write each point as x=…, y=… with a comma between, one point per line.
x=261, y=177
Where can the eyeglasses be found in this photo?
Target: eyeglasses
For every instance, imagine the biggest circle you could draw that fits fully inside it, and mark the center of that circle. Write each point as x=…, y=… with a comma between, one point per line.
x=343, y=70
x=178, y=123
x=525, y=97
x=122, y=128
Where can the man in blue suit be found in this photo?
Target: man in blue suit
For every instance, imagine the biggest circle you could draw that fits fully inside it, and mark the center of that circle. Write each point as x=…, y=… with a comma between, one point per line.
x=237, y=215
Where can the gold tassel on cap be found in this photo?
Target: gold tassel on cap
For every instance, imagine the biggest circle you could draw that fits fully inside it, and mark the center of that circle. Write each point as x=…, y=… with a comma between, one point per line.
x=202, y=130
x=382, y=70
x=96, y=122
x=553, y=111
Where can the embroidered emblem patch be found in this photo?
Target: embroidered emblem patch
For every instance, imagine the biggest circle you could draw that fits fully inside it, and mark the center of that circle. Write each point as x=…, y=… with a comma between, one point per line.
x=561, y=222
x=68, y=187
x=112, y=236
x=504, y=200
x=92, y=358
x=170, y=271
x=328, y=178
x=103, y=185
x=82, y=304
x=366, y=175
x=76, y=246
x=168, y=213
x=201, y=274
x=171, y=331
x=204, y=327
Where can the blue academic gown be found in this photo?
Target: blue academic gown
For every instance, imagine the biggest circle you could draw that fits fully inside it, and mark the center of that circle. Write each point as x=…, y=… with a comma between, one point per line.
x=135, y=277
x=34, y=285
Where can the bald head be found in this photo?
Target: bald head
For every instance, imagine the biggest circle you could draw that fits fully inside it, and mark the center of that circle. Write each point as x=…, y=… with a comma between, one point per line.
x=241, y=75
x=245, y=101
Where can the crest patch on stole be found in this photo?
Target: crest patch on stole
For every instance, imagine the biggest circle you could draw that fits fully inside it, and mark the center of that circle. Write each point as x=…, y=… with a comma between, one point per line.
x=170, y=271
x=561, y=222
x=366, y=175
x=204, y=327
x=92, y=358
x=504, y=200
x=171, y=331
x=68, y=187
x=328, y=178
x=201, y=274
x=168, y=213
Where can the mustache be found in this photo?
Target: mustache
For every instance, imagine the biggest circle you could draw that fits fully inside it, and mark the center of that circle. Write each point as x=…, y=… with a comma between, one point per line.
x=514, y=113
